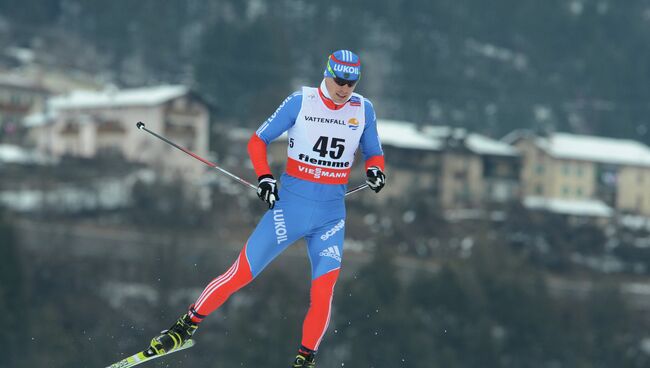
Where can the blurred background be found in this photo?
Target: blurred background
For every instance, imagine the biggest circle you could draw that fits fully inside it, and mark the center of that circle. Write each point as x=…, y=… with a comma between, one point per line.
x=514, y=230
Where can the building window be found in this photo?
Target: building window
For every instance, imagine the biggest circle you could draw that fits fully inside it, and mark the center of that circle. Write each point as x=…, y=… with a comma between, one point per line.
x=566, y=169
x=566, y=191
x=639, y=177
x=539, y=169
x=460, y=175
x=579, y=192
x=539, y=189
x=579, y=170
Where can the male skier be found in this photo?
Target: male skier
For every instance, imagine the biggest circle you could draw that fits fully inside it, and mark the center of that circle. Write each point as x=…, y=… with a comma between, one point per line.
x=325, y=127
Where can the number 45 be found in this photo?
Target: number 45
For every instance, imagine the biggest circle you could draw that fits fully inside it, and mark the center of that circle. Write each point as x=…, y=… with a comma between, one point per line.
x=337, y=147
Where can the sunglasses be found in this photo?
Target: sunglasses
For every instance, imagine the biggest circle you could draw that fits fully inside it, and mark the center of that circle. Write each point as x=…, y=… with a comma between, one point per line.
x=342, y=82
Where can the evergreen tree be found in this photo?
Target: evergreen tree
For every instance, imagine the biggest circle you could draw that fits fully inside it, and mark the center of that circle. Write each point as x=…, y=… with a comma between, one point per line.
x=371, y=323
x=12, y=300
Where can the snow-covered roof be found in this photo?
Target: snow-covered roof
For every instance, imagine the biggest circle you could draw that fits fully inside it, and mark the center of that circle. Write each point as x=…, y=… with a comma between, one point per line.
x=475, y=142
x=37, y=119
x=147, y=96
x=20, y=81
x=403, y=134
x=596, y=149
x=487, y=146
x=574, y=207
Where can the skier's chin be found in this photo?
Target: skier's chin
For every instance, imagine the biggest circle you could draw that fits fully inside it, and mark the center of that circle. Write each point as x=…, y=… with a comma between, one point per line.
x=341, y=98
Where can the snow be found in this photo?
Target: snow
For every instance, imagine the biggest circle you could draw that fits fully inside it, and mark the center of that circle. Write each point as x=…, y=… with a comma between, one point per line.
x=107, y=193
x=637, y=288
x=487, y=146
x=13, y=154
x=635, y=222
x=403, y=134
x=464, y=214
x=19, y=81
x=239, y=134
x=23, y=54
x=148, y=96
x=117, y=293
x=574, y=207
x=645, y=345
x=605, y=264
x=518, y=60
x=477, y=143
x=38, y=119
x=21, y=201
x=596, y=149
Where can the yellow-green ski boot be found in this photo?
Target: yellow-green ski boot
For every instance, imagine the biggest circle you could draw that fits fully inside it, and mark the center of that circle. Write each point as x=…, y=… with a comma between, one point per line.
x=175, y=336
x=305, y=358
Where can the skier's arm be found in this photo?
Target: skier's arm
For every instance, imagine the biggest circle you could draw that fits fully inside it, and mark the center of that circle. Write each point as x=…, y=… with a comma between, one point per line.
x=370, y=143
x=282, y=119
x=372, y=152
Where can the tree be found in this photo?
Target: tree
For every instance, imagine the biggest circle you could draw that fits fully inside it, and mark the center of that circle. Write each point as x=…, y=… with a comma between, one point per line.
x=370, y=322
x=12, y=301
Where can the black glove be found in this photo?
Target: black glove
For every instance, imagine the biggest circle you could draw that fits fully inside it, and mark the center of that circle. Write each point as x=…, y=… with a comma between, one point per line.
x=376, y=178
x=267, y=189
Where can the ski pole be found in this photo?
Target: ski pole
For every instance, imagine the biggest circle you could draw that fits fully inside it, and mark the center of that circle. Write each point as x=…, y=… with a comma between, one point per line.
x=356, y=189
x=140, y=125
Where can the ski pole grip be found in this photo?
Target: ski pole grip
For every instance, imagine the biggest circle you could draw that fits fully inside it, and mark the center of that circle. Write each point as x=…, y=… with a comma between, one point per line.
x=139, y=125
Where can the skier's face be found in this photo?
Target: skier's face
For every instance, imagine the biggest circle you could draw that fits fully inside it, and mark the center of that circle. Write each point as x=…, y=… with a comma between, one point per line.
x=339, y=94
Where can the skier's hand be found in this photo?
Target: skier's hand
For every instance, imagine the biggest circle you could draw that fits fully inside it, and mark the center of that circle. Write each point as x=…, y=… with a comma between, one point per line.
x=375, y=178
x=267, y=189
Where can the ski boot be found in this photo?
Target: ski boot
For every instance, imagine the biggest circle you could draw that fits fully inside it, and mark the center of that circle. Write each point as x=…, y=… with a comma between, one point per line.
x=173, y=338
x=305, y=358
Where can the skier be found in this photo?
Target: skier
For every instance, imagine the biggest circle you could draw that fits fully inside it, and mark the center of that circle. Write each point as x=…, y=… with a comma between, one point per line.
x=325, y=127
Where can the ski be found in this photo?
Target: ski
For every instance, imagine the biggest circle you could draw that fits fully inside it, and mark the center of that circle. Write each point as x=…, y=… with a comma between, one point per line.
x=147, y=355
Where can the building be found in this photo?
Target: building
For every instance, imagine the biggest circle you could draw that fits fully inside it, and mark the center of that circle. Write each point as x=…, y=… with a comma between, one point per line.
x=19, y=97
x=89, y=123
x=486, y=169
x=585, y=168
x=459, y=168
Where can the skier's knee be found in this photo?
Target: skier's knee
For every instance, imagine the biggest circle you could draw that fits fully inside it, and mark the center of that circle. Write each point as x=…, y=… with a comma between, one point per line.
x=322, y=287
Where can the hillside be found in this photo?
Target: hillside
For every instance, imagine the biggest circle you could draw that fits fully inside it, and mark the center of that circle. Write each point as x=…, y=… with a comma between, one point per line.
x=575, y=65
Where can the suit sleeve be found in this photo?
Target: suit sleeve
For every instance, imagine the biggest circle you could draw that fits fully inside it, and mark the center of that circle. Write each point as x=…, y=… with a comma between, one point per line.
x=370, y=143
x=282, y=119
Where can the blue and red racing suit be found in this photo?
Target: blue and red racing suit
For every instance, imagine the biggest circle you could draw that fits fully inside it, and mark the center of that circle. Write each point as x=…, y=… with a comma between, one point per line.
x=322, y=140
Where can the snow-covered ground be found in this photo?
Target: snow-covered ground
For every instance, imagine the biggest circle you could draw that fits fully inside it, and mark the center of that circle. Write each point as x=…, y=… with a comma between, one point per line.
x=104, y=193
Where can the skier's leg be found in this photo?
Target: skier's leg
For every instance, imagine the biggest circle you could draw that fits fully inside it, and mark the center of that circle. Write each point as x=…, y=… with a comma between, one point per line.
x=220, y=289
x=318, y=315
x=278, y=229
x=325, y=248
